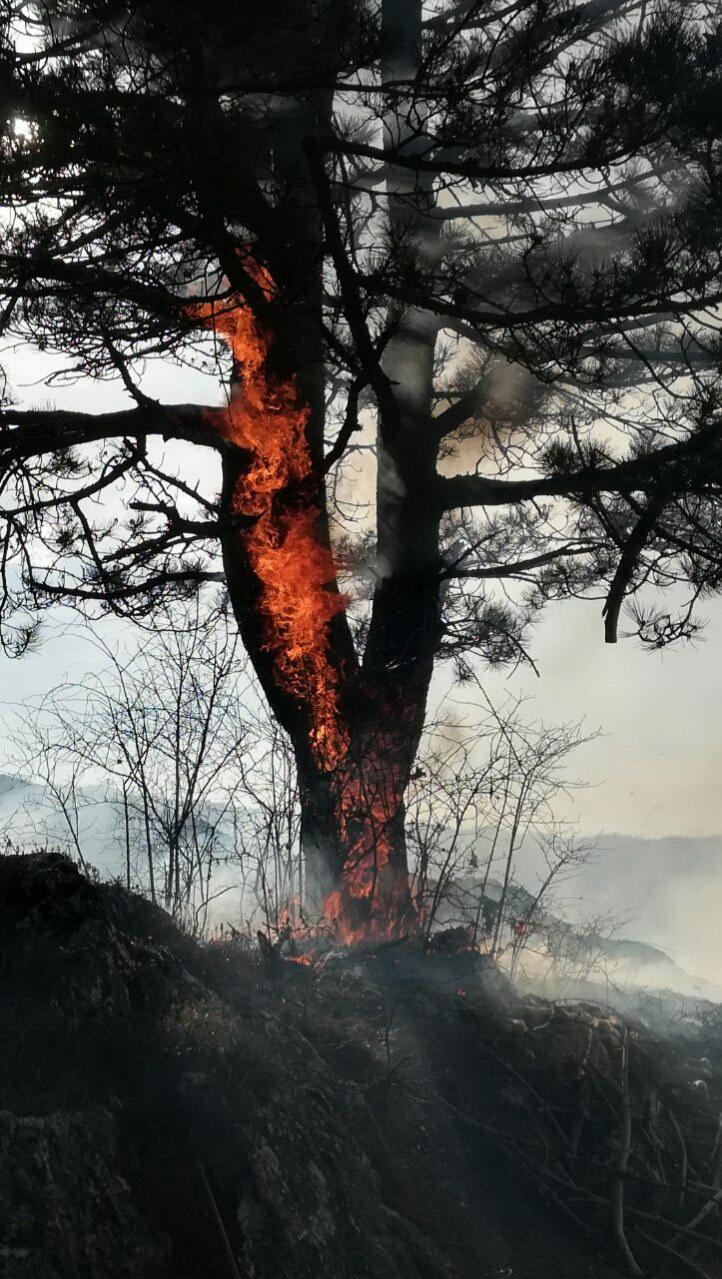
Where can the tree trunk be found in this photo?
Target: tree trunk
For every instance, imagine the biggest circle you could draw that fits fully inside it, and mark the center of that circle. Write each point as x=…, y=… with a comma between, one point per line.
x=353, y=832
x=355, y=732
x=405, y=623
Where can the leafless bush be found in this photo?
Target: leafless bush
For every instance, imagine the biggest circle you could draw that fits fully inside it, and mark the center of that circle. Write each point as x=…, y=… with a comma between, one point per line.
x=159, y=736
x=483, y=792
x=267, y=828
x=176, y=741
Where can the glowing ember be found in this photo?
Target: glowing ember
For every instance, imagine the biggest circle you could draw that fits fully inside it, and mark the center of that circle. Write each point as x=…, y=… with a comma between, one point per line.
x=298, y=600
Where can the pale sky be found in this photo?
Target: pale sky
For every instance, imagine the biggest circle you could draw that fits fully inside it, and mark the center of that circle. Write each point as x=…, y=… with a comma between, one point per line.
x=656, y=769
x=654, y=772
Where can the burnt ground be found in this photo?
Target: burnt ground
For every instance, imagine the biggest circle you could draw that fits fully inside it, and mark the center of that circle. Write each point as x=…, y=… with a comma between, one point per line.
x=170, y=1109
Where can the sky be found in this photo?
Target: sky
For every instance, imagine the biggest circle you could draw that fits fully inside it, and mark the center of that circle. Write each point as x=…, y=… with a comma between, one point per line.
x=652, y=773
x=654, y=769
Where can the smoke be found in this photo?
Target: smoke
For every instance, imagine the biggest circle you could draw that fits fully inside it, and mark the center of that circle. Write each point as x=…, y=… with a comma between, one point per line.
x=510, y=403
x=668, y=891
x=688, y=913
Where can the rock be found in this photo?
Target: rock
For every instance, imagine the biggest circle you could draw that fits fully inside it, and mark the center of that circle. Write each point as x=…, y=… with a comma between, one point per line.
x=701, y=1087
x=517, y=1026
x=536, y=1016
x=64, y=1211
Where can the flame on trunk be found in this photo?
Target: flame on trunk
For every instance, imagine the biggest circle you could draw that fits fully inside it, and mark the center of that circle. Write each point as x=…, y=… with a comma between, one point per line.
x=294, y=570
x=298, y=599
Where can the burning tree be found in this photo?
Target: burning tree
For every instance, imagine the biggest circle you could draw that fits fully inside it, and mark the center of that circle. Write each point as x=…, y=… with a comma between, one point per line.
x=480, y=239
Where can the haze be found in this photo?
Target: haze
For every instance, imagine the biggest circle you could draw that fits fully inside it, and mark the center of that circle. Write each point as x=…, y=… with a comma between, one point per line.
x=653, y=772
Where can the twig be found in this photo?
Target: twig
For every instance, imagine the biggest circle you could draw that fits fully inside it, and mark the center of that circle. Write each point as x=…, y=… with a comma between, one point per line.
x=685, y=1262
x=684, y=1161
x=531, y=1090
x=704, y=1211
x=617, y=1194
x=716, y=1198
x=233, y=1270
x=509, y=1146
x=592, y=1197
x=543, y=1175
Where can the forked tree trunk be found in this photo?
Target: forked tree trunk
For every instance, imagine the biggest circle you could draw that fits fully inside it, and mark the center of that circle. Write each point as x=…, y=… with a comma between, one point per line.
x=352, y=802
x=355, y=731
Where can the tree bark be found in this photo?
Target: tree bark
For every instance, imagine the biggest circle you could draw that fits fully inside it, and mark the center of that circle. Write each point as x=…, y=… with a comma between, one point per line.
x=355, y=731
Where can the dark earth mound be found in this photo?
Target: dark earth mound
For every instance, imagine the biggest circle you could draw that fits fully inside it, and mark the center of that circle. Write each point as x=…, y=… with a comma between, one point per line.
x=172, y=1109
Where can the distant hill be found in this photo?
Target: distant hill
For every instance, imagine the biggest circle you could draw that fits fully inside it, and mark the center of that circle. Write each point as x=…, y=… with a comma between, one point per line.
x=626, y=962
x=637, y=952
x=7, y=783
x=29, y=816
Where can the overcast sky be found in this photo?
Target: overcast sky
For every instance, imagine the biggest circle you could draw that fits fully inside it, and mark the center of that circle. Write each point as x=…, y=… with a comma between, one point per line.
x=656, y=767
x=654, y=771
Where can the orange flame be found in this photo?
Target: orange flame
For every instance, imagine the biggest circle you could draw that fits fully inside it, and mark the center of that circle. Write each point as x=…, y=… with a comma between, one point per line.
x=267, y=417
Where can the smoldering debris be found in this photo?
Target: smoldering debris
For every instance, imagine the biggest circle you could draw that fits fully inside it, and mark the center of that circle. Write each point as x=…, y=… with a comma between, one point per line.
x=392, y=1111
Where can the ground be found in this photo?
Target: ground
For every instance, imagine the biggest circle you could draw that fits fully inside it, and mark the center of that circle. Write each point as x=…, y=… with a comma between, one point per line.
x=186, y=1110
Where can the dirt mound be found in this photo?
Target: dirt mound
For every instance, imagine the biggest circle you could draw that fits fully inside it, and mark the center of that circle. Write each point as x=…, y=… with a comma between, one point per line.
x=192, y=1111
x=66, y=1210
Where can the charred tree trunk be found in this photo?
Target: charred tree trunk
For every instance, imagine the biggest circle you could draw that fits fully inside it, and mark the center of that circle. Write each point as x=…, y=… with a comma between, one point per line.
x=353, y=833
x=404, y=631
x=355, y=731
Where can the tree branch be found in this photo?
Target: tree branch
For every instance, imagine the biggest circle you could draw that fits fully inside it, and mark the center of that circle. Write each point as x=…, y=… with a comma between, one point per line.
x=470, y=170
x=629, y=559
x=31, y=432
x=606, y=314
x=108, y=594
x=348, y=283
x=691, y=466
x=521, y=566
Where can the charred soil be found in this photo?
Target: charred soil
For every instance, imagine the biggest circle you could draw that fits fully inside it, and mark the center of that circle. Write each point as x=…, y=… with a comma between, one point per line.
x=197, y=1111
